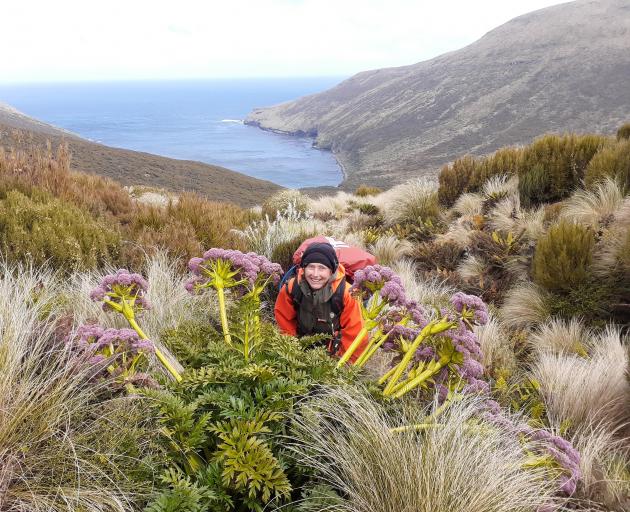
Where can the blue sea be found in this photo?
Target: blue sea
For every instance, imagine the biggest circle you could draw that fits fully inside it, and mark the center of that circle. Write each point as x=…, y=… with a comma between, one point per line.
x=190, y=120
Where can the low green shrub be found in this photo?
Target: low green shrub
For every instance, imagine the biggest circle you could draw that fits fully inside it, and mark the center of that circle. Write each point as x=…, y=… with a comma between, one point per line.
x=563, y=256
x=563, y=158
x=41, y=229
x=468, y=174
x=433, y=255
x=588, y=300
x=454, y=179
x=623, y=132
x=612, y=161
x=368, y=209
x=366, y=190
x=536, y=187
x=225, y=424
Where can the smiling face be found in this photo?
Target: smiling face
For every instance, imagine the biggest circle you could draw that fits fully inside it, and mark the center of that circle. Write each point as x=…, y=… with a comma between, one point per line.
x=317, y=275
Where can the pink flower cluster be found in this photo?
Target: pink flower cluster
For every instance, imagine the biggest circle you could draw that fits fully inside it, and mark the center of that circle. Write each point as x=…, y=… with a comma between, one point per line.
x=250, y=267
x=473, y=304
x=561, y=450
x=96, y=338
x=102, y=349
x=122, y=285
x=377, y=278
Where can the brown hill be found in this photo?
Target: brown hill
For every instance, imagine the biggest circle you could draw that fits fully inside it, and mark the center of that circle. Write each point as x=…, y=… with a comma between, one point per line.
x=563, y=68
x=133, y=167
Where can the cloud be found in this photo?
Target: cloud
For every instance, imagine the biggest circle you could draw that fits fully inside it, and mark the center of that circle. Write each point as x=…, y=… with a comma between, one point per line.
x=78, y=40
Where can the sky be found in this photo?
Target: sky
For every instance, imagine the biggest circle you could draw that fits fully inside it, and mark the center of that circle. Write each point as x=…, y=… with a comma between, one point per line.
x=77, y=40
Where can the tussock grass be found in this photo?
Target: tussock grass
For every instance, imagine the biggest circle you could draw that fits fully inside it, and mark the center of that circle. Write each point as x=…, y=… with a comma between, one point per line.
x=562, y=336
x=587, y=390
x=450, y=467
x=499, y=186
x=331, y=207
x=284, y=200
x=458, y=232
x=410, y=202
x=524, y=306
x=496, y=345
x=423, y=290
x=55, y=447
x=264, y=236
x=596, y=207
x=471, y=268
x=468, y=205
x=389, y=249
x=604, y=465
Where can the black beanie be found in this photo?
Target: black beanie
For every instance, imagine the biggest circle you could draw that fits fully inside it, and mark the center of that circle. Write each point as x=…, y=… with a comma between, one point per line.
x=320, y=253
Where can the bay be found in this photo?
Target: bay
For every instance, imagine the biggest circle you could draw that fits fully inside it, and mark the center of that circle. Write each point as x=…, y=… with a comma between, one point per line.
x=190, y=120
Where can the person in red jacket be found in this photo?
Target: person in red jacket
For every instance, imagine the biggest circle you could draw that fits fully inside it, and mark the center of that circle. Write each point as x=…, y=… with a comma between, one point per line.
x=318, y=301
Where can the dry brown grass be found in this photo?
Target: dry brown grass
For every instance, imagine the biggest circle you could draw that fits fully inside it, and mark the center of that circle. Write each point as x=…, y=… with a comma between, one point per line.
x=184, y=228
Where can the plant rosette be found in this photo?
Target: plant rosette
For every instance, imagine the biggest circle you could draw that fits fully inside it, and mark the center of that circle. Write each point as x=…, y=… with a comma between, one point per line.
x=444, y=351
x=124, y=292
x=246, y=274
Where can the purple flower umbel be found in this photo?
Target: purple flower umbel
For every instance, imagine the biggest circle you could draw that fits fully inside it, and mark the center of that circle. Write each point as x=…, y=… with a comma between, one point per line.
x=248, y=268
x=472, y=308
x=122, y=286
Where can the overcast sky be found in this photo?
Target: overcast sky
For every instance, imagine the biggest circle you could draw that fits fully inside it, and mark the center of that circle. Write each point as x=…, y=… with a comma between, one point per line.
x=136, y=39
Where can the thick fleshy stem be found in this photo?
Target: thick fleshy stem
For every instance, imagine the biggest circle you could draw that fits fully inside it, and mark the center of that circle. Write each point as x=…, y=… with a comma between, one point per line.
x=158, y=352
x=433, y=327
x=384, y=378
x=354, y=345
x=223, y=315
x=401, y=367
x=375, y=343
x=407, y=386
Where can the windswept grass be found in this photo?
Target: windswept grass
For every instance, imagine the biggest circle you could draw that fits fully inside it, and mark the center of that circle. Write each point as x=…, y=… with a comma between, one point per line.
x=596, y=207
x=57, y=450
x=586, y=390
x=562, y=336
x=347, y=437
x=524, y=306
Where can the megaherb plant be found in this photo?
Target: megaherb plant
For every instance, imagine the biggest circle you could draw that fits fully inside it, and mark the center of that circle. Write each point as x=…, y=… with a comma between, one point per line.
x=224, y=423
x=440, y=354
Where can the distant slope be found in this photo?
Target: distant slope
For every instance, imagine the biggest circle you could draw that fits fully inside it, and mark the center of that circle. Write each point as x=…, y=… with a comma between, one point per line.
x=563, y=68
x=136, y=168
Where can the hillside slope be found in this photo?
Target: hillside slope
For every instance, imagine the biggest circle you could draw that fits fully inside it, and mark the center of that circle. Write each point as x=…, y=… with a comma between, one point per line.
x=133, y=167
x=563, y=68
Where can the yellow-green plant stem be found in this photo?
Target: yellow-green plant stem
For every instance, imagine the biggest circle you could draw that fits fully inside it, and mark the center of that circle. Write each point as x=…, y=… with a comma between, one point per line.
x=223, y=315
x=401, y=367
x=353, y=347
x=384, y=378
x=158, y=352
x=416, y=381
x=434, y=327
x=375, y=342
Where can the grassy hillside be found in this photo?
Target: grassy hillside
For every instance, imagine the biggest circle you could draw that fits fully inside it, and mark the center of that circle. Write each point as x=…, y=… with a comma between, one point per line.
x=561, y=68
x=134, y=167
x=498, y=370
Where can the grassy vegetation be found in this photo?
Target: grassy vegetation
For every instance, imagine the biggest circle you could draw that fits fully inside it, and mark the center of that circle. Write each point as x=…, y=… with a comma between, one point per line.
x=284, y=430
x=75, y=220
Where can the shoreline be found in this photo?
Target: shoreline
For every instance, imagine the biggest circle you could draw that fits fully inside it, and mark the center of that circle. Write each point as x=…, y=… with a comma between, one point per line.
x=309, y=135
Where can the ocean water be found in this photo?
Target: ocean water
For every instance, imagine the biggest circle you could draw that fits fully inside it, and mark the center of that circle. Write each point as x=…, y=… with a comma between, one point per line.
x=190, y=120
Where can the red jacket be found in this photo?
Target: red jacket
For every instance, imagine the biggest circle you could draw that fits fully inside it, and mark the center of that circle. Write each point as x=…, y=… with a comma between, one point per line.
x=351, y=319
